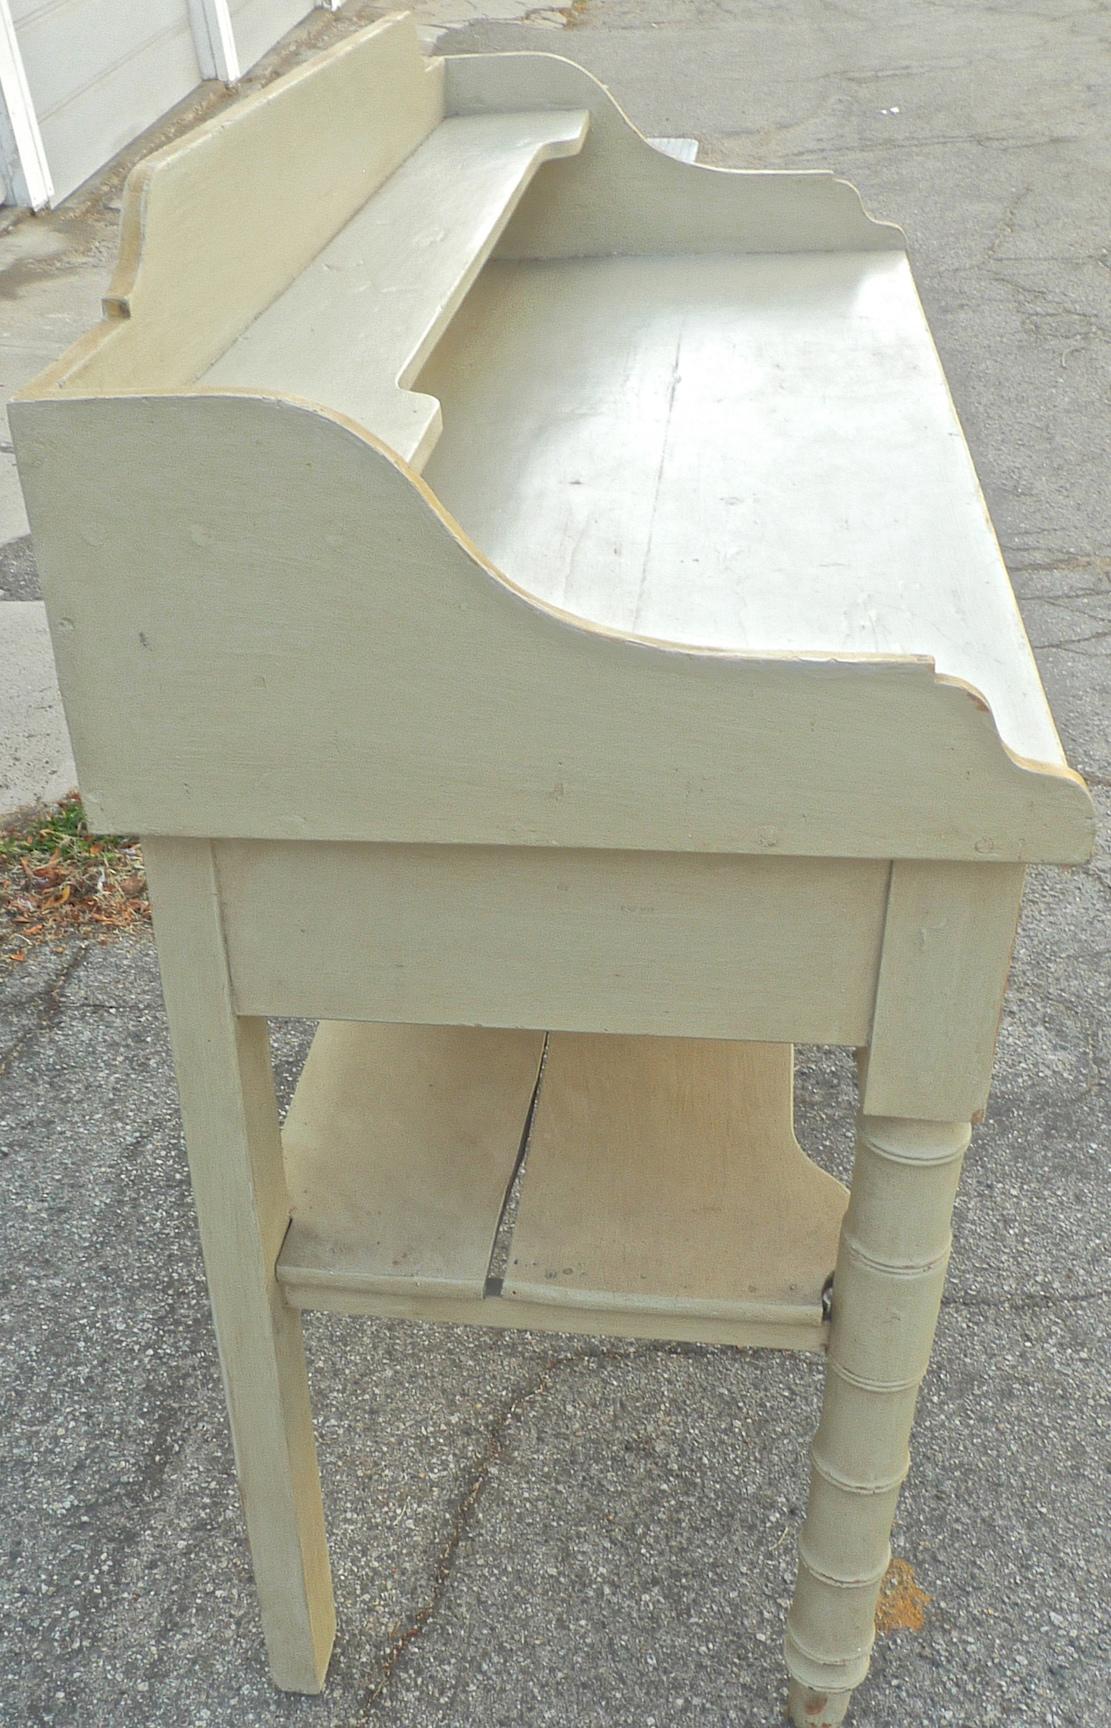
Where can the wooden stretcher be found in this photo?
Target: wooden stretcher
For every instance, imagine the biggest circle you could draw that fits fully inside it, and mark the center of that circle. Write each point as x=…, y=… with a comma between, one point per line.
x=533, y=598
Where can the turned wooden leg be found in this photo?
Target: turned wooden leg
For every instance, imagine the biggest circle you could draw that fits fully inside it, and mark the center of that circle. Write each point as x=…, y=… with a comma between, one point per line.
x=886, y=1293
x=235, y=1159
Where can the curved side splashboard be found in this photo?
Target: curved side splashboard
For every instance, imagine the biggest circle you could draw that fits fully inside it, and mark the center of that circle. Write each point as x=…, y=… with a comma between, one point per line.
x=625, y=197
x=311, y=648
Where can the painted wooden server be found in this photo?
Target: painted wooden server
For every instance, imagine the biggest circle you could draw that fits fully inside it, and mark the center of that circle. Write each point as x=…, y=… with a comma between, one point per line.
x=519, y=584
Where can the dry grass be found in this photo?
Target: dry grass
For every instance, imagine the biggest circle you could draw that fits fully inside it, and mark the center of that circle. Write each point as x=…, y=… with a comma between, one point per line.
x=58, y=880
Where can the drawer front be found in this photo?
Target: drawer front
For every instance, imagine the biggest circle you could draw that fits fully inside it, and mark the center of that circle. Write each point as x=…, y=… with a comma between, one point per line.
x=708, y=946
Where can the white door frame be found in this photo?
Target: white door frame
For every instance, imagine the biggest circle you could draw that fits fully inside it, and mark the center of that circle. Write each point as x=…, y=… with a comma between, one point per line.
x=23, y=163
x=214, y=38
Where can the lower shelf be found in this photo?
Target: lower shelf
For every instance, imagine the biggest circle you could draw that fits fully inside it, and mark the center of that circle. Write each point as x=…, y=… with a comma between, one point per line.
x=664, y=1194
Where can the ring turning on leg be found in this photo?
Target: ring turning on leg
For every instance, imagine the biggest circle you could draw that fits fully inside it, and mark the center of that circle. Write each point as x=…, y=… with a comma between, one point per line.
x=887, y=1291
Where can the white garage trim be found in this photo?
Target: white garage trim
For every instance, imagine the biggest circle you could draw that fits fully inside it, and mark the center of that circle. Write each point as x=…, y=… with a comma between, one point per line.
x=217, y=53
x=23, y=161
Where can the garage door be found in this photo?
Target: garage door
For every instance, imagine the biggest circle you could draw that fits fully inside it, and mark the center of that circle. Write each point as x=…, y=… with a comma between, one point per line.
x=257, y=24
x=98, y=72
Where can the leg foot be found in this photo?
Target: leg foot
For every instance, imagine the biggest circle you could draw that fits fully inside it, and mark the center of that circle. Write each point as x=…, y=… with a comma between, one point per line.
x=809, y=1709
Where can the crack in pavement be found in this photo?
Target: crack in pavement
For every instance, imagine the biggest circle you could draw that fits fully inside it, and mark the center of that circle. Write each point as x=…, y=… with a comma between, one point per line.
x=492, y=1453
x=49, y=1005
x=1071, y=641
x=1065, y=604
x=494, y=1450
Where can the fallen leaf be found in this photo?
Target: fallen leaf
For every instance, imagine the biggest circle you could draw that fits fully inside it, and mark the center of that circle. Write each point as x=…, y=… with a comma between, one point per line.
x=903, y=1603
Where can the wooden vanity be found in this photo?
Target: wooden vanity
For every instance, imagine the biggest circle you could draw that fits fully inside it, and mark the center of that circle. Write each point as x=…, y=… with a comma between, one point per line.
x=533, y=599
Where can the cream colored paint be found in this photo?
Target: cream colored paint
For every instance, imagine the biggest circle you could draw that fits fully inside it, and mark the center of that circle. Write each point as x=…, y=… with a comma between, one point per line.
x=794, y=407
x=887, y=1290
x=603, y=941
x=664, y=1174
x=354, y=327
x=664, y=1170
x=222, y=220
x=235, y=1162
x=751, y=746
x=399, y=1146
x=258, y=704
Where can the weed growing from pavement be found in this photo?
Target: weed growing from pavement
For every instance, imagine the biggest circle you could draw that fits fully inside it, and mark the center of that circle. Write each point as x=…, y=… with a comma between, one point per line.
x=58, y=880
